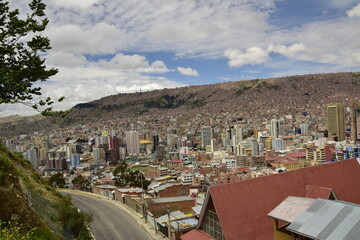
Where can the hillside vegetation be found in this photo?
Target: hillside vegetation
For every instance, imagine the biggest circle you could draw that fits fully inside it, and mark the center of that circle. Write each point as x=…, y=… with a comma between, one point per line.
x=33, y=209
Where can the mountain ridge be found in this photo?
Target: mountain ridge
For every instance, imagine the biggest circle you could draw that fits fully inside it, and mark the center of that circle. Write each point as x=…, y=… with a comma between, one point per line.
x=257, y=99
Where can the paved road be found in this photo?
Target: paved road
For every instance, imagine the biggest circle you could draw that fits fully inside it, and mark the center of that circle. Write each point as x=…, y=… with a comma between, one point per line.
x=109, y=221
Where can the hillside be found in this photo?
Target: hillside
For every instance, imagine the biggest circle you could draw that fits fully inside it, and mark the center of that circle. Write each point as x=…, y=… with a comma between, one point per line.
x=254, y=99
x=26, y=201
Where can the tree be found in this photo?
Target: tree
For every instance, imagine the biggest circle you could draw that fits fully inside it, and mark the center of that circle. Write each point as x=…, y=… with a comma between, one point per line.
x=127, y=177
x=119, y=174
x=57, y=180
x=21, y=64
x=82, y=183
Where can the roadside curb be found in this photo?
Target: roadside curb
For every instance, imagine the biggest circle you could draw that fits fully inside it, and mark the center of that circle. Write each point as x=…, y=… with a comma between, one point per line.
x=138, y=217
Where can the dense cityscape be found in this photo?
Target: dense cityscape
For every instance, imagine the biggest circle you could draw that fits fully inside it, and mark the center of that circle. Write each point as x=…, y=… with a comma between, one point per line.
x=179, y=120
x=160, y=173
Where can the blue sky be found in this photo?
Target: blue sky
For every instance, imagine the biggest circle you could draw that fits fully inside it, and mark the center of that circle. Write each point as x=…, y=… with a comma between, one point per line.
x=105, y=47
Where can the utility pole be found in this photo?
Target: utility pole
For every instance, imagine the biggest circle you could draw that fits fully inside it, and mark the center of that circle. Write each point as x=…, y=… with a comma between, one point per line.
x=142, y=195
x=169, y=222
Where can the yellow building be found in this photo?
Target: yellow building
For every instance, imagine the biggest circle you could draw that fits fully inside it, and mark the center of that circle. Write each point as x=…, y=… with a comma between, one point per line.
x=289, y=165
x=315, y=156
x=268, y=143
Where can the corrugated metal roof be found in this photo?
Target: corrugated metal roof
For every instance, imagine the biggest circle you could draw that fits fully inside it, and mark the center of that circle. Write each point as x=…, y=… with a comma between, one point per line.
x=291, y=208
x=106, y=186
x=200, y=200
x=173, y=216
x=171, y=199
x=184, y=223
x=327, y=219
x=318, y=192
x=197, y=209
x=166, y=185
x=242, y=206
x=130, y=190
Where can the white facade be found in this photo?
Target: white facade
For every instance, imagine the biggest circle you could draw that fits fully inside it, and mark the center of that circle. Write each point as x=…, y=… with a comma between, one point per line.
x=304, y=127
x=230, y=163
x=132, y=143
x=187, y=178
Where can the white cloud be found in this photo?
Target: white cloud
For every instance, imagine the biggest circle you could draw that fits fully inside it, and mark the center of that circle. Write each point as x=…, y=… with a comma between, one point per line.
x=83, y=84
x=252, y=56
x=83, y=4
x=65, y=59
x=134, y=62
x=354, y=12
x=188, y=71
x=356, y=57
x=291, y=51
x=102, y=38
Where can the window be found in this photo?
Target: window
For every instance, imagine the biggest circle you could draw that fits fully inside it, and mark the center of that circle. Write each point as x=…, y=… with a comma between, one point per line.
x=211, y=225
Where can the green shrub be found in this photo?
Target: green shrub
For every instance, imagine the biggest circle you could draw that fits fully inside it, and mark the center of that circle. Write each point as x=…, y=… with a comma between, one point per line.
x=72, y=220
x=4, y=167
x=12, y=231
x=42, y=233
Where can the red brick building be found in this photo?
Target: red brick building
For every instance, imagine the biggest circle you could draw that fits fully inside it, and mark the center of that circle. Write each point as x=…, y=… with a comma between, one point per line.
x=172, y=190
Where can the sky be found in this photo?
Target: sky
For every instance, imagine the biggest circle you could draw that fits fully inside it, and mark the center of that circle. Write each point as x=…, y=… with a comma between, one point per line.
x=106, y=47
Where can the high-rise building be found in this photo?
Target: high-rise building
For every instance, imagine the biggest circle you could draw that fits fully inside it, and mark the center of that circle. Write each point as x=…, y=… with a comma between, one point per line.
x=278, y=144
x=32, y=157
x=254, y=147
x=132, y=143
x=355, y=123
x=207, y=135
x=74, y=160
x=336, y=122
x=304, y=128
x=277, y=127
x=56, y=160
x=98, y=154
x=236, y=135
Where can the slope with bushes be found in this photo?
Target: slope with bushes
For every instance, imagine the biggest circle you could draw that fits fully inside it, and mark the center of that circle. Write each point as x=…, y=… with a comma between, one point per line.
x=31, y=209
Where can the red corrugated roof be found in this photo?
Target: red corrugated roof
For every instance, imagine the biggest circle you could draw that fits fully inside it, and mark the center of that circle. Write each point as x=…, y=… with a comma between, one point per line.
x=275, y=159
x=318, y=192
x=196, y=235
x=295, y=155
x=242, y=206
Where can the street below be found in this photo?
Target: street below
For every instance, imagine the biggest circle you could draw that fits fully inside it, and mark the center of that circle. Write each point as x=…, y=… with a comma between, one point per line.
x=109, y=221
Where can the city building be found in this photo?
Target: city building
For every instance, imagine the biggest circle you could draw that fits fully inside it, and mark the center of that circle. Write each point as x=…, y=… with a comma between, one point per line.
x=207, y=135
x=304, y=128
x=355, y=123
x=74, y=160
x=132, y=143
x=31, y=155
x=336, y=122
x=278, y=144
x=277, y=128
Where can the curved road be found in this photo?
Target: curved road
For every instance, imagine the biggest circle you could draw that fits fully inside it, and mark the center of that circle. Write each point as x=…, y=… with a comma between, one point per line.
x=109, y=221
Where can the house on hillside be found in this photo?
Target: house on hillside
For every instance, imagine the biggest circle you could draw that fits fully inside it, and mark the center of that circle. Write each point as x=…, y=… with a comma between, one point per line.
x=239, y=210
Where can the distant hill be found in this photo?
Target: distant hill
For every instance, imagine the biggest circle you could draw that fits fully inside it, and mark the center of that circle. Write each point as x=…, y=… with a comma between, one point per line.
x=255, y=99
